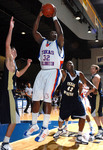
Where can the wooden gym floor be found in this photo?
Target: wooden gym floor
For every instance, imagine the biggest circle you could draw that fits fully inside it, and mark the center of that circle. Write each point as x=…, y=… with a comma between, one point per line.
x=63, y=143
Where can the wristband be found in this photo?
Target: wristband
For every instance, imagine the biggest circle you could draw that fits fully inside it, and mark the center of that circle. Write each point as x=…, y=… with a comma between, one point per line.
x=54, y=18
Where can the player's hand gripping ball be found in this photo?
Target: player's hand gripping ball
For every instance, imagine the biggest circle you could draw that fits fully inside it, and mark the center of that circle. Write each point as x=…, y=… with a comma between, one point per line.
x=48, y=10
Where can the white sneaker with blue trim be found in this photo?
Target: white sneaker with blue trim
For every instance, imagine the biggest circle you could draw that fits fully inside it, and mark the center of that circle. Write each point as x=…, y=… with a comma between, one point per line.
x=42, y=135
x=33, y=128
x=81, y=140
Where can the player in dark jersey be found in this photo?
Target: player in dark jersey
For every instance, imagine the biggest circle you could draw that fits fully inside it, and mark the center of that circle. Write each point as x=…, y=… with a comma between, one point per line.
x=96, y=101
x=71, y=104
x=9, y=113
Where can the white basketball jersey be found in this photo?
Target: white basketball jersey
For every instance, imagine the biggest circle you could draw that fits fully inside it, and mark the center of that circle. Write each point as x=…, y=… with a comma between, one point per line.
x=51, y=56
x=85, y=90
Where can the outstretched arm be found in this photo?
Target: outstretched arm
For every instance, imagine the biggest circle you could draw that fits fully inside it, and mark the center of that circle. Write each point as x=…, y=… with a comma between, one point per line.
x=21, y=72
x=93, y=89
x=64, y=74
x=8, y=39
x=37, y=36
x=59, y=30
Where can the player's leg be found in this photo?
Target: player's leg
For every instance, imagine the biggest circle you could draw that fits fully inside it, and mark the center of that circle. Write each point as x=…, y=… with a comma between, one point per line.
x=65, y=112
x=27, y=106
x=5, y=145
x=90, y=124
x=44, y=130
x=35, y=112
x=36, y=97
x=97, y=113
x=88, y=109
x=66, y=124
x=81, y=114
x=52, y=78
x=60, y=129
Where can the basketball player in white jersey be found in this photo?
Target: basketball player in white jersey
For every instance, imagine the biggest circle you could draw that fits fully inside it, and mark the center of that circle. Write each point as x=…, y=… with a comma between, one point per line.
x=83, y=89
x=51, y=59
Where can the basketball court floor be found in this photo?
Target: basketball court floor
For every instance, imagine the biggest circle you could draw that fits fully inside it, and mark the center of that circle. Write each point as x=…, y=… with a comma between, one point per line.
x=20, y=142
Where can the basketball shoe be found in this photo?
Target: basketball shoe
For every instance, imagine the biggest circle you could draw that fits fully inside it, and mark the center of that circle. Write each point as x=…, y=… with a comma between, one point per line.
x=99, y=135
x=81, y=140
x=33, y=128
x=58, y=133
x=5, y=146
x=42, y=135
x=65, y=131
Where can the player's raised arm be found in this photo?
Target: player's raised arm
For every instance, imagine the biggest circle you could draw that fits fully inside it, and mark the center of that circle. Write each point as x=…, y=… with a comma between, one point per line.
x=37, y=36
x=8, y=39
x=21, y=72
x=59, y=30
x=64, y=74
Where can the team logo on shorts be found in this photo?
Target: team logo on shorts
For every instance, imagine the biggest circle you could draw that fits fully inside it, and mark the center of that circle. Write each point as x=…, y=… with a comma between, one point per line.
x=46, y=96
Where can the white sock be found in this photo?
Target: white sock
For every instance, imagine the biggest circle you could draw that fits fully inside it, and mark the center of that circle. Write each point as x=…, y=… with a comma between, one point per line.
x=66, y=123
x=46, y=120
x=60, y=128
x=6, y=139
x=34, y=118
x=79, y=133
x=90, y=124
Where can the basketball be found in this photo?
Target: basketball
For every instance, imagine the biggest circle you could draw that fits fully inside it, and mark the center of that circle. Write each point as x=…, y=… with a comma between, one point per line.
x=48, y=10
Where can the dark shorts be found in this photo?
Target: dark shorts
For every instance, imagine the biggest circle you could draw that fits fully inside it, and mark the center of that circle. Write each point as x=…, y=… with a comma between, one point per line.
x=72, y=108
x=8, y=107
x=96, y=103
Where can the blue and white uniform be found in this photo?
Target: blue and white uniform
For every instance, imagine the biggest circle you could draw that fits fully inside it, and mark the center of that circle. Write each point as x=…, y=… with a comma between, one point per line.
x=51, y=59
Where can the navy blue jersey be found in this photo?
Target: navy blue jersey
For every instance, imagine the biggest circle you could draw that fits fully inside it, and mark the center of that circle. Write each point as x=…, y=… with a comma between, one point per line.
x=69, y=88
x=71, y=104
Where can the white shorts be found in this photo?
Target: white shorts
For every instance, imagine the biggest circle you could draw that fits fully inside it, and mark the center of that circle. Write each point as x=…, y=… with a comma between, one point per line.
x=45, y=84
x=86, y=103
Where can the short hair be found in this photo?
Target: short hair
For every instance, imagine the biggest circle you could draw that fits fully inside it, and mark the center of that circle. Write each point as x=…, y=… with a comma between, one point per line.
x=96, y=67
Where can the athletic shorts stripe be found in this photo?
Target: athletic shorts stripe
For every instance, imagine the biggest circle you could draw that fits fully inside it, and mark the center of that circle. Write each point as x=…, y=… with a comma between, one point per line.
x=56, y=82
x=97, y=104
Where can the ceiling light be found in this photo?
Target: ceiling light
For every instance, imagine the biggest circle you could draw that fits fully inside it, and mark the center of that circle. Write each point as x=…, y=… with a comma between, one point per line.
x=78, y=15
x=89, y=29
x=96, y=40
x=23, y=33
